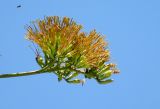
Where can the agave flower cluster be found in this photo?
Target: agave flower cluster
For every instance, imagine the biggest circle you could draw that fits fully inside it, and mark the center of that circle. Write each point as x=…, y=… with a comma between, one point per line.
x=69, y=52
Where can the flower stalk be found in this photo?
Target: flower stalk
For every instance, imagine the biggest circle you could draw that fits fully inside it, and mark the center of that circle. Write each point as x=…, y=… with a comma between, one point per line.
x=21, y=74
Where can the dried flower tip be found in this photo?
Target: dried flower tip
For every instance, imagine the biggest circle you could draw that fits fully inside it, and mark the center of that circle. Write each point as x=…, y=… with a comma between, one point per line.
x=116, y=71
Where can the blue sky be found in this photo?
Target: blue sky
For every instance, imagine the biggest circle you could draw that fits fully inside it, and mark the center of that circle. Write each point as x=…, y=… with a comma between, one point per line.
x=132, y=30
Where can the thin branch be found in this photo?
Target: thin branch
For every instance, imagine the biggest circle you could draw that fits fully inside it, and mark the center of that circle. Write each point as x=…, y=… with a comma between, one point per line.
x=22, y=74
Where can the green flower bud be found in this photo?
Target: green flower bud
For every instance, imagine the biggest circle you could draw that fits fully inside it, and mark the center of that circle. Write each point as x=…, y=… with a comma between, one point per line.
x=105, y=81
x=76, y=81
x=40, y=61
x=104, y=75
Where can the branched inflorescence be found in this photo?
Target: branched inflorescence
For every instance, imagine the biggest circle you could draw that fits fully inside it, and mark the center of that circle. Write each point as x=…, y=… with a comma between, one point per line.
x=68, y=52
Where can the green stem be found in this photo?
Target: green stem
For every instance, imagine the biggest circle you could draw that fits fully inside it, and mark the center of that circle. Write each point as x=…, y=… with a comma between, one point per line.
x=43, y=70
x=22, y=74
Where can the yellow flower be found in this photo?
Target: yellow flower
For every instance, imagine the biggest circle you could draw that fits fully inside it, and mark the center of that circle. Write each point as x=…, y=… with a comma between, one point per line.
x=62, y=38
